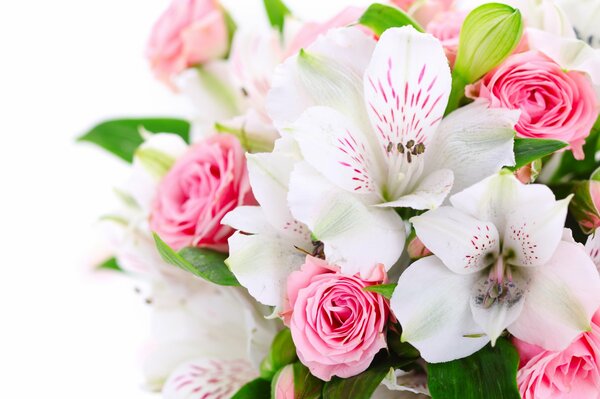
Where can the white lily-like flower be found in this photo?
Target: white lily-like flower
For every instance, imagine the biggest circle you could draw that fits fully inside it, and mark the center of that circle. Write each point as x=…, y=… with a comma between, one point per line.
x=367, y=117
x=584, y=15
x=269, y=242
x=500, y=262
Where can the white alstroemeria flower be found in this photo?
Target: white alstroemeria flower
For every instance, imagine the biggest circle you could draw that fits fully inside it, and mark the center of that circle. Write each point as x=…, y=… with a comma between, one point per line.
x=500, y=262
x=269, y=242
x=367, y=117
x=193, y=320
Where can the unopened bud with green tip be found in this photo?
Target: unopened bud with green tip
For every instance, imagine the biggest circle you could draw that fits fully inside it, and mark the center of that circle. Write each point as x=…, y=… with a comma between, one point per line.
x=488, y=36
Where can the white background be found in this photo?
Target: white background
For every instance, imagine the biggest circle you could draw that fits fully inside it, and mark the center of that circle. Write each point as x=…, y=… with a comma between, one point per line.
x=66, y=332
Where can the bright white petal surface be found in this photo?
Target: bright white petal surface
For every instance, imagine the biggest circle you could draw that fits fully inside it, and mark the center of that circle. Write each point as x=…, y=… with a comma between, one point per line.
x=249, y=219
x=584, y=15
x=208, y=378
x=432, y=305
x=406, y=86
x=498, y=196
x=429, y=193
x=269, y=177
x=533, y=233
x=495, y=317
x=465, y=245
x=356, y=236
x=328, y=73
x=336, y=147
x=563, y=295
x=474, y=142
x=262, y=263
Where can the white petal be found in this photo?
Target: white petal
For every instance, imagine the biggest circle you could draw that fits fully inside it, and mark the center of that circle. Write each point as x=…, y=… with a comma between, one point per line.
x=262, y=263
x=533, y=233
x=503, y=311
x=328, y=73
x=432, y=305
x=269, y=177
x=465, y=244
x=592, y=247
x=429, y=194
x=406, y=86
x=584, y=15
x=356, y=236
x=206, y=377
x=249, y=219
x=474, y=141
x=335, y=146
x=563, y=295
x=498, y=196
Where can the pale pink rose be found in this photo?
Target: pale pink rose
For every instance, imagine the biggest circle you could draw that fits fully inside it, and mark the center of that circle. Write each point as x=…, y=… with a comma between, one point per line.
x=446, y=26
x=554, y=103
x=188, y=33
x=416, y=249
x=284, y=386
x=312, y=30
x=337, y=327
x=573, y=373
x=210, y=180
x=403, y=4
x=424, y=11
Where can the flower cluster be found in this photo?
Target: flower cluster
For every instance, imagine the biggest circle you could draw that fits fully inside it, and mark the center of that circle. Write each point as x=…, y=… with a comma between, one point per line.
x=369, y=205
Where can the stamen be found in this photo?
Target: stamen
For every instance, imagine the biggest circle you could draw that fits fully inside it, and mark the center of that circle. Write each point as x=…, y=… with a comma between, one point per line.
x=400, y=148
x=389, y=147
x=410, y=143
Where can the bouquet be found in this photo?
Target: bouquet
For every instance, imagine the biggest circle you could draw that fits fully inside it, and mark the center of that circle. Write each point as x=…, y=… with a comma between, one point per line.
x=398, y=202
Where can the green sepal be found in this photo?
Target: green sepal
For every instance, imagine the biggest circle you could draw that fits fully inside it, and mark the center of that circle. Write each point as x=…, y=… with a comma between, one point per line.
x=380, y=17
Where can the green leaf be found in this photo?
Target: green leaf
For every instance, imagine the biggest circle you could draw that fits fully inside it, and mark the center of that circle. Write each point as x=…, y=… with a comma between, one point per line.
x=379, y=18
x=276, y=11
x=528, y=150
x=207, y=264
x=282, y=353
x=488, y=36
x=490, y=373
x=121, y=137
x=385, y=290
x=306, y=385
x=360, y=386
x=255, y=389
x=110, y=264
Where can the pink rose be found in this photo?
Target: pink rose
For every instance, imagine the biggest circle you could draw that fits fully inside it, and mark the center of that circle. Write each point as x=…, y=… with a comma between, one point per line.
x=188, y=33
x=424, y=11
x=207, y=182
x=312, y=30
x=284, y=385
x=573, y=373
x=554, y=104
x=446, y=26
x=336, y=326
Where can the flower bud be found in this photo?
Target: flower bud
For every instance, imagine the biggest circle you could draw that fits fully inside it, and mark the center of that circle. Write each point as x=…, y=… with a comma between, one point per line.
x=585, y=205
x=416, y=249
x=530, y=172
x=283, y=383
x=489, y=34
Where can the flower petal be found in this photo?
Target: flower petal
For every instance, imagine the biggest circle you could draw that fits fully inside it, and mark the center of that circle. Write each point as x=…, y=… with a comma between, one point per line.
x=335, y=146
x=592, y=247
x=249, y=219
x=474, y=142
x=497, y=196
x=328, y=73
x=432, y=305
x=356, y=237
x=563, y=295
x=465, y=244
x=406, y=87
x=429, y=193
x=533, y=233
x=262, y=263
x=206, y=377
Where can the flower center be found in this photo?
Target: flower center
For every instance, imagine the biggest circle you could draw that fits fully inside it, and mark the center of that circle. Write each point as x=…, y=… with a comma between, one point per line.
x=499, y=287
